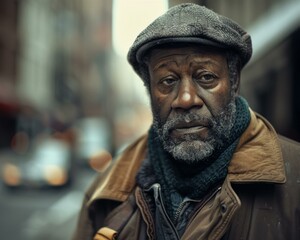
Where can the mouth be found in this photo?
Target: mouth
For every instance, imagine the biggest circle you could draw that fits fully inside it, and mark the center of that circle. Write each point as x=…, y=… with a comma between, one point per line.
x=195, y=128
x=189, y=130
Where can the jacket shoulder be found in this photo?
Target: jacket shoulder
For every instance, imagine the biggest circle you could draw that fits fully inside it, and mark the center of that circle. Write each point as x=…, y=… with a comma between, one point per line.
x=290, y=149
x=118, y=181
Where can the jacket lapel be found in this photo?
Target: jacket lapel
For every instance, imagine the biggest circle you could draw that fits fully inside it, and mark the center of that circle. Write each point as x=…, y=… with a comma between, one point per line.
x=258, y=157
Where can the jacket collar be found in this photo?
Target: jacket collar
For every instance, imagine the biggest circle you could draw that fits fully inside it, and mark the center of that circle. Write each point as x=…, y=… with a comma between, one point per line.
x=258, y=158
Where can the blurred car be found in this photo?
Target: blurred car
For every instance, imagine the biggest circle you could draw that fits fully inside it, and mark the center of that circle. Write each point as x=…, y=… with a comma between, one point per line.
x=93, y=137
x=47, y=164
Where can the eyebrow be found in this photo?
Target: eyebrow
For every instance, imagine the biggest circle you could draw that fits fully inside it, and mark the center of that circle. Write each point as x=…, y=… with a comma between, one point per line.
x=209, y=62
x=164, y=64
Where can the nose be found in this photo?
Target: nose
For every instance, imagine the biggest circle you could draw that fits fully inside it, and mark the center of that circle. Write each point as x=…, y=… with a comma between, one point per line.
x=187, y=96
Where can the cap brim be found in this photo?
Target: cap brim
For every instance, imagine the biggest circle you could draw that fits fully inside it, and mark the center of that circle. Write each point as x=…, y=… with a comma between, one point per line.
x=164, y=41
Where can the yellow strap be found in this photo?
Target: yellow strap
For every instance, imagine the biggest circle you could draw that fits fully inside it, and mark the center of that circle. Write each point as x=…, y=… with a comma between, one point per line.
x=105, y=233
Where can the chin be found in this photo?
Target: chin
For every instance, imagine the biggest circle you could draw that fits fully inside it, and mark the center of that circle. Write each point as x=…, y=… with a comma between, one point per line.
x=190, y=152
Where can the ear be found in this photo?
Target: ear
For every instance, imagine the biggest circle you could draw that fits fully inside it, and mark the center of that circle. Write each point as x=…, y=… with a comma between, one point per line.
x=236, y=84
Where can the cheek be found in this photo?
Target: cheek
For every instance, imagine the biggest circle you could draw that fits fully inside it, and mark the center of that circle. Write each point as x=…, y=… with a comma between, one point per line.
x=224, y=95
x=160, y=106
x=219, y=98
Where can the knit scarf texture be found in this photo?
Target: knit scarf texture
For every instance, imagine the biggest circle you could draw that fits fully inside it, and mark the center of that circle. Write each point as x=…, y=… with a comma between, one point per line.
x=196, y=180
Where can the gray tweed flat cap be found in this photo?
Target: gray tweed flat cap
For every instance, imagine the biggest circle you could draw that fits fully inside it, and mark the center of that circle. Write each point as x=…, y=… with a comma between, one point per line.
x=190, y=23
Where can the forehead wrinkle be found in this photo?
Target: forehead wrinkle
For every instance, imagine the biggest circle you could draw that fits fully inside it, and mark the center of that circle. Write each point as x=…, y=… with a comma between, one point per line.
x=164, y=64
x=204, y=61
x=196, y=58
x=168, y=60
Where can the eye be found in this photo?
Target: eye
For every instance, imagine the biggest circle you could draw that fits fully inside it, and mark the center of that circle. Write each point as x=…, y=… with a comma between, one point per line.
x=205, y=77
x=208, y=77
x=168, y=81
x=166, y=85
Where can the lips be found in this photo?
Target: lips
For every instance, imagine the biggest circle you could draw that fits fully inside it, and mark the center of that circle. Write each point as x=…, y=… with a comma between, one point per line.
x=191, y=124
x=189, y=129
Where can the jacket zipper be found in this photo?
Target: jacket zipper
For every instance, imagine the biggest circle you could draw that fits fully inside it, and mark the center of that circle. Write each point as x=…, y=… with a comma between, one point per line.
x=159, y=203
x=182, y=206
x=178, y=211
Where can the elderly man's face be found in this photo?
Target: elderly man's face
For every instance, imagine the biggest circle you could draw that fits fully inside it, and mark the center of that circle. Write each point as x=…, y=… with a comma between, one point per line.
x=191, y=100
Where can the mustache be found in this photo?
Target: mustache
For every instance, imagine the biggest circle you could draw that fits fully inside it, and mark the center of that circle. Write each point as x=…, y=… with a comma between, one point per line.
x=178, y=119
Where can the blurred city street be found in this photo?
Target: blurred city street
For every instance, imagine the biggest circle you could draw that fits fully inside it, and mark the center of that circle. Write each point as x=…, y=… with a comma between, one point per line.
x=69, y=100
x=48, y=214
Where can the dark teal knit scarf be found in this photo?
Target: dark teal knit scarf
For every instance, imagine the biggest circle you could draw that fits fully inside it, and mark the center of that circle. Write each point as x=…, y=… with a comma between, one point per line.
x=200, y=180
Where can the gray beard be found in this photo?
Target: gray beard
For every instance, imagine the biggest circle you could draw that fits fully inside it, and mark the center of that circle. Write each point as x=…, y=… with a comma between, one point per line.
x=191, y=149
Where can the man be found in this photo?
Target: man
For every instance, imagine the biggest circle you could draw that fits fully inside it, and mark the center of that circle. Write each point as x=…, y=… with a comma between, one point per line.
x=210, y=167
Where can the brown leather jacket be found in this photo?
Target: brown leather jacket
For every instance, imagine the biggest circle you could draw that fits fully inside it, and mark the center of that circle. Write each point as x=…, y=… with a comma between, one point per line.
x=260, y=198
